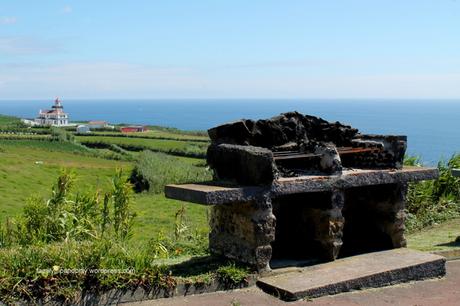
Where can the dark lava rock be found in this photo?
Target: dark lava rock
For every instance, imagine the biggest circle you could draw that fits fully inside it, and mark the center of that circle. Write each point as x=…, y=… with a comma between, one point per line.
x=243, y=151
x=247, y=165
x=283, y=129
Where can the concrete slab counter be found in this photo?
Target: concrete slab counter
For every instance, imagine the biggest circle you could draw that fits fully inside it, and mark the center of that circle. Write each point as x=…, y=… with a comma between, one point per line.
x=215, y=192
x=315, y=216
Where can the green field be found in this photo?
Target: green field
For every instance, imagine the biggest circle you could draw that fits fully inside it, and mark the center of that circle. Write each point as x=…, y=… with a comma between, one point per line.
x=186, y=148
x=8, y=120
x=30, y=164
x=162, y=230
x=29, y=168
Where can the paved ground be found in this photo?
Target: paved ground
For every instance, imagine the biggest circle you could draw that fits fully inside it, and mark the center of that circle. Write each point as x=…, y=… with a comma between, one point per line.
x=438, y=292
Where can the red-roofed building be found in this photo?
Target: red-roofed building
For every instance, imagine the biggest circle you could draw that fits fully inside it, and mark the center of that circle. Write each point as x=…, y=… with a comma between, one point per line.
x=133, y=129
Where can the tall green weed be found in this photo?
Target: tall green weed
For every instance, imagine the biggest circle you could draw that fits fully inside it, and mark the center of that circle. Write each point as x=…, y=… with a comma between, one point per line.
x=65, y=217
x=155, y=170
x=432, y=202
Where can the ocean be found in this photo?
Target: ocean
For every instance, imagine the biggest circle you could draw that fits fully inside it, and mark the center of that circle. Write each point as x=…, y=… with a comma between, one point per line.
x=432, y=126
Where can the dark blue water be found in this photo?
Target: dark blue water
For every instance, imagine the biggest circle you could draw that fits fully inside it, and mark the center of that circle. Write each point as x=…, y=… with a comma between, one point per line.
x=432, y=127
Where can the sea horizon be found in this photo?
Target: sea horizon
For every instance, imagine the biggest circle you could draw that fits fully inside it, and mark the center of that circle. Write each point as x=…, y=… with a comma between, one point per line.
x=430, y=124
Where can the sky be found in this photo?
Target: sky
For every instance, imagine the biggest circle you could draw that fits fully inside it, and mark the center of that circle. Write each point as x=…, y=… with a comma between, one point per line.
x=230, y=49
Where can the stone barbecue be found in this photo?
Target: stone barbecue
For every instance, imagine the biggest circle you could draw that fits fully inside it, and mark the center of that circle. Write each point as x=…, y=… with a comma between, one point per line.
x=297, y=187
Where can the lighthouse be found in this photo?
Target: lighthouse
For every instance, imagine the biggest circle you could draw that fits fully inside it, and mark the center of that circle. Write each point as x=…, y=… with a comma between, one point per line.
x=57, y=104
x=54, y=117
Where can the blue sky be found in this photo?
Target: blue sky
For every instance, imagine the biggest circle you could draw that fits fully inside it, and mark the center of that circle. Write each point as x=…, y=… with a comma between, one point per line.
x=230, y=49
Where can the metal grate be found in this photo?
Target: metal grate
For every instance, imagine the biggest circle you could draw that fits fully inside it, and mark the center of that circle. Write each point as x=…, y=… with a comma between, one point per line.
x=286, y=155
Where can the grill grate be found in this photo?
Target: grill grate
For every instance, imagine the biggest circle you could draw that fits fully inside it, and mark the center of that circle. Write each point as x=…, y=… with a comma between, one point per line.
x=286, y=155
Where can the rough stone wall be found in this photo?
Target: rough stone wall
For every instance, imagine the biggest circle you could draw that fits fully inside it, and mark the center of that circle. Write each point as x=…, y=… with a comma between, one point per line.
x=247, y=165
x=391, y=154
x=243, y=232
x=322, y=225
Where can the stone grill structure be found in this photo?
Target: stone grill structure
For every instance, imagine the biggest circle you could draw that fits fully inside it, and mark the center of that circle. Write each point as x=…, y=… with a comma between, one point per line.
x=297, y=187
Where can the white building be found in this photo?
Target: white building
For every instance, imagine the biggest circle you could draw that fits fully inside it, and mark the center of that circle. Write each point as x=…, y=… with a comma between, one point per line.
x=83, y=129
x=55, y=117
x=29, y=122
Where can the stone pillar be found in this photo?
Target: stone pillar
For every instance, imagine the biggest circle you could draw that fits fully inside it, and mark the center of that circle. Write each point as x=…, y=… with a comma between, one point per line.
x=324, y=223
x=244, y=231
x=394, y=216
x=329, y=227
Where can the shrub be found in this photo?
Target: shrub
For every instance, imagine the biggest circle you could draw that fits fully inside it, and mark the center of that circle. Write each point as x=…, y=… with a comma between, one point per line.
x=82, y=232
x=232, y=275
x=39, y=272
x=61, y=135
x=432, y=202
x=121, y=196
x=81, y=217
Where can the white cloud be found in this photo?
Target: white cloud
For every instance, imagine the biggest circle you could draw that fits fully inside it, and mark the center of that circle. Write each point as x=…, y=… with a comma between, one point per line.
x=125, y=80
x=26, y=45
x=421, y=86
x=8, y=20
x=89, y=79
x=67, y=9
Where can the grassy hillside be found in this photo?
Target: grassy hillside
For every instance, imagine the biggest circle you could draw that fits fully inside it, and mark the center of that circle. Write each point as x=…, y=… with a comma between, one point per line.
x=29, y=168
x=31, y=237
x=9, y=120
x=30, y=163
